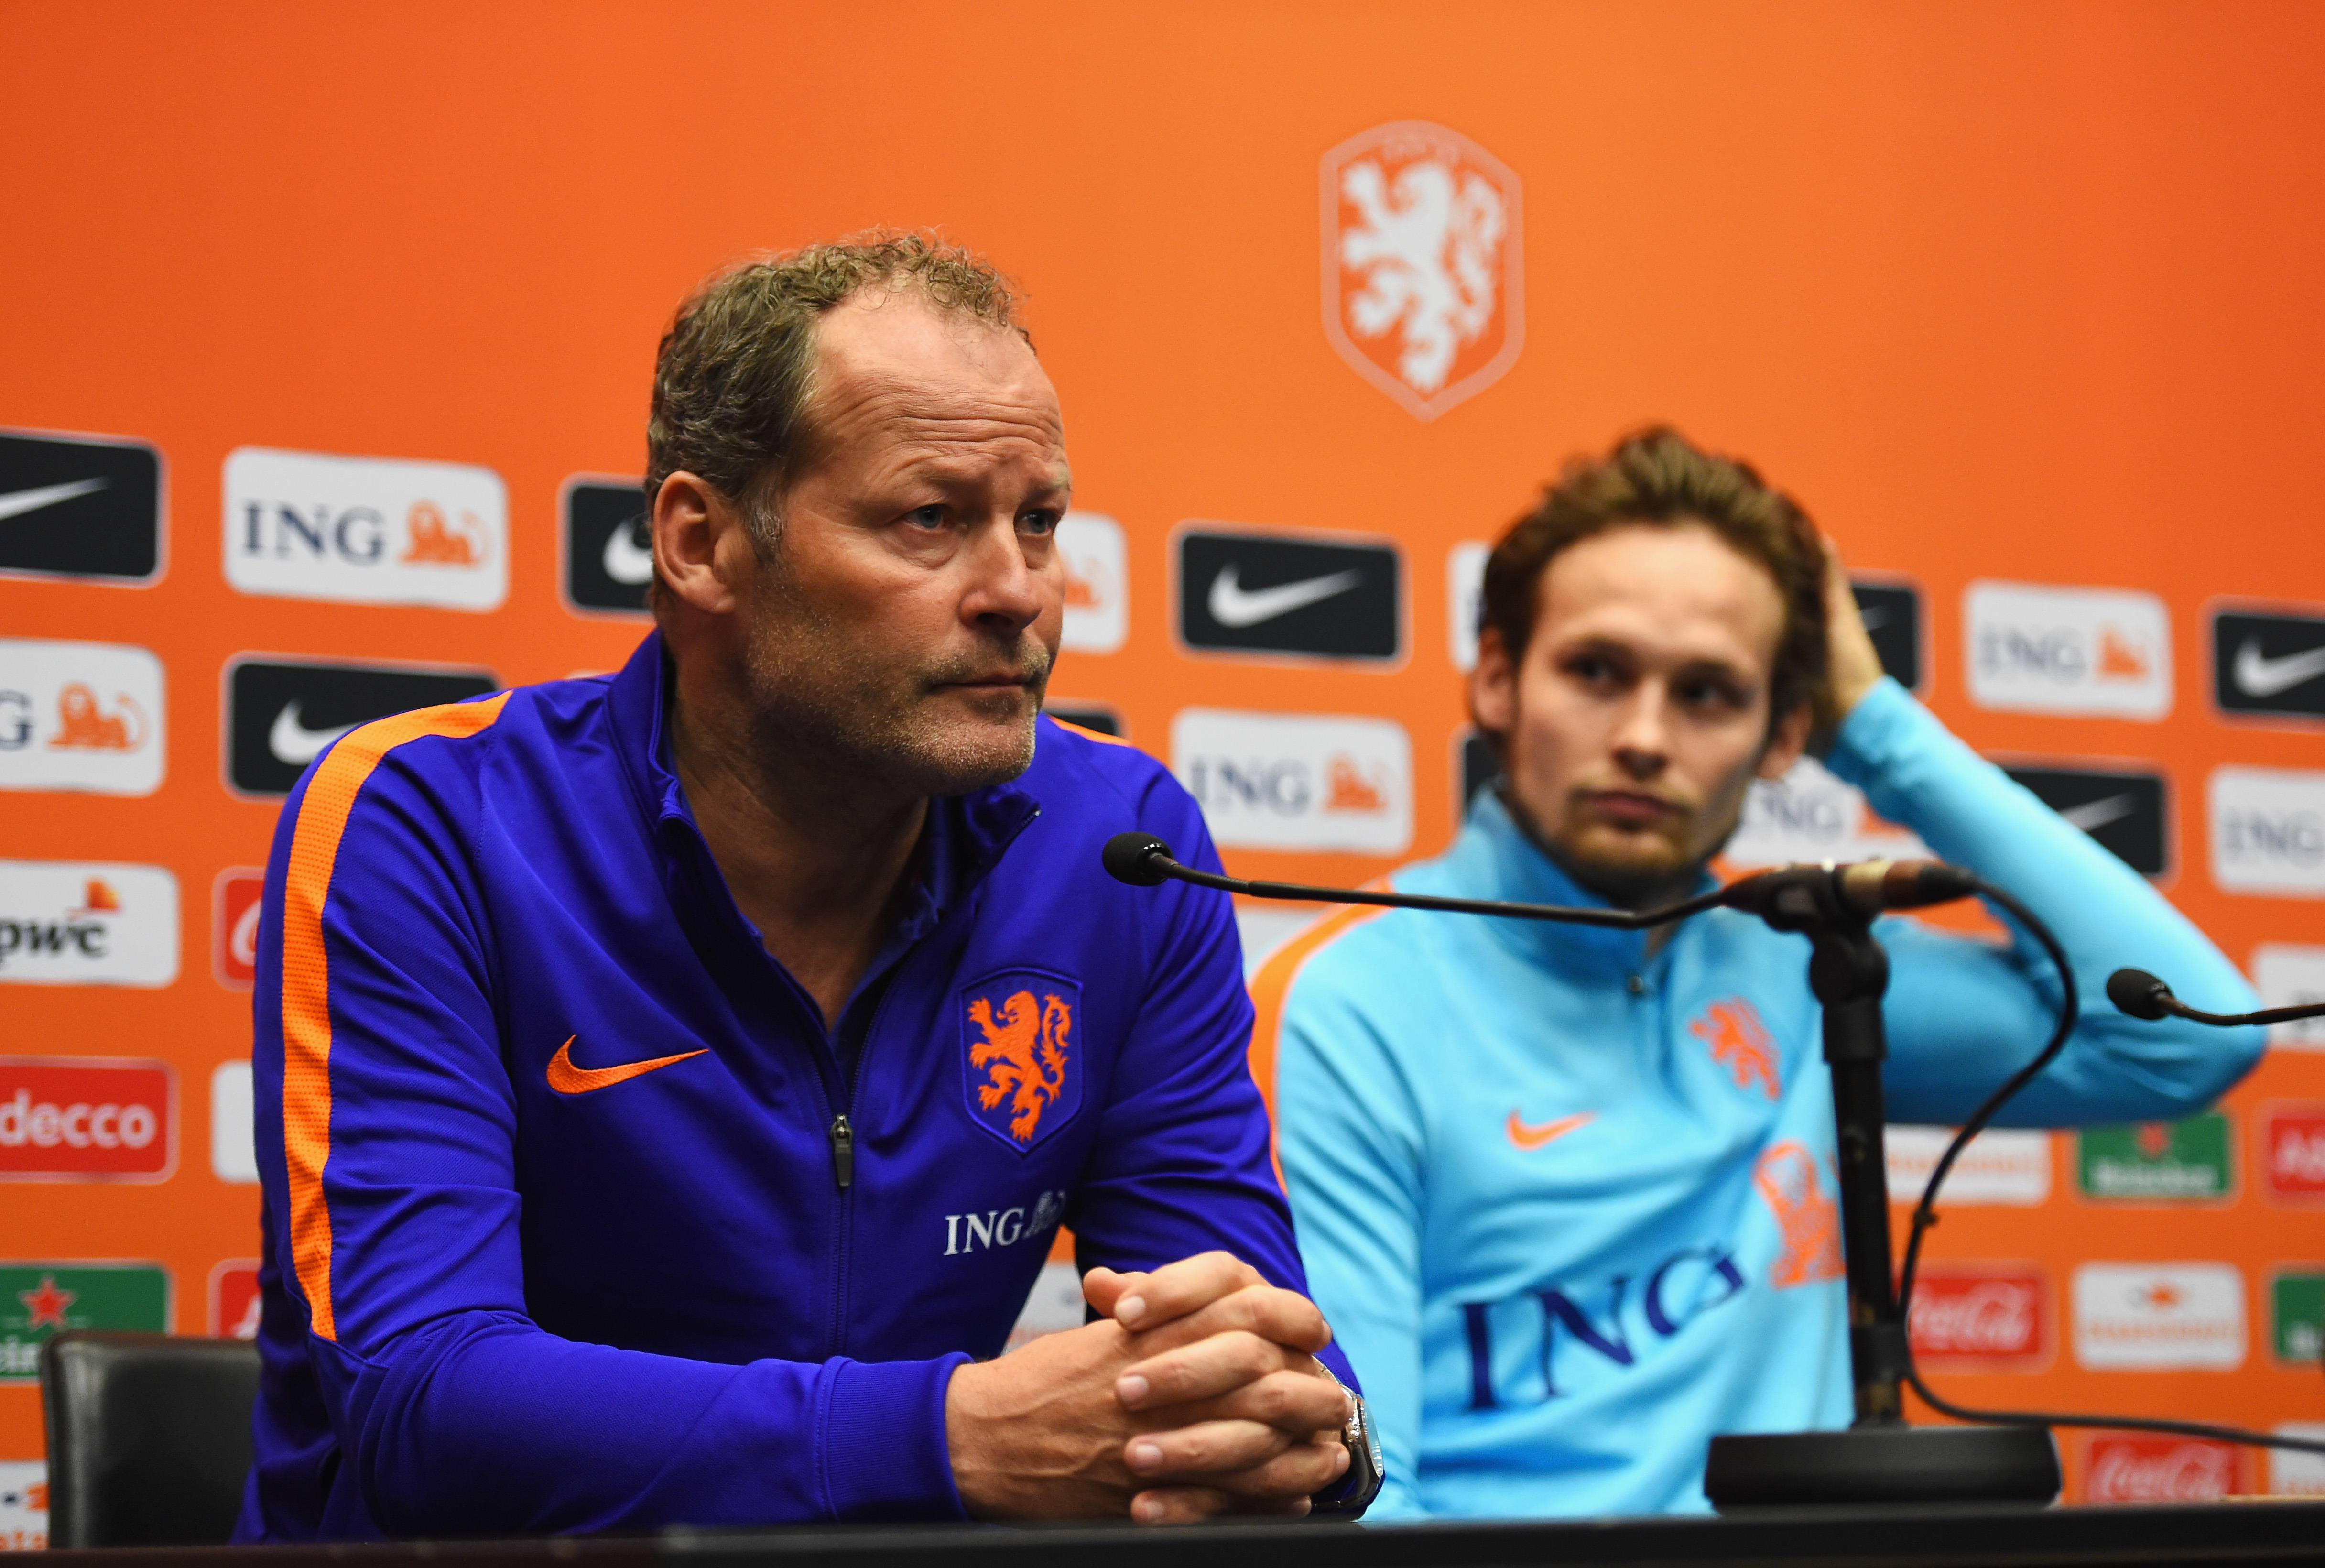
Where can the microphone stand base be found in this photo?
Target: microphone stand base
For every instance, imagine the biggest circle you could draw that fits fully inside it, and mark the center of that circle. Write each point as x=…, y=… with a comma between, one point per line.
x=1889, y=1463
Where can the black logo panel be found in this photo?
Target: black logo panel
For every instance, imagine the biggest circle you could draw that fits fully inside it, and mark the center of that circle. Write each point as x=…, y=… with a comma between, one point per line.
x=2273, y=664
x=608, y=546
x=1893, y=618
x=280, y=717
x=1105, y=720
x=2124, y=812
x=1481, y=768
x=79, y=508
x=1262, y=593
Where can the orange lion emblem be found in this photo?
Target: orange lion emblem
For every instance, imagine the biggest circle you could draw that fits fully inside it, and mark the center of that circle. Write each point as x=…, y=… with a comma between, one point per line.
x=1808, y=1221
x=1737, y=1038
x=433, y=542
x=83, y=725
x=1023, y=1053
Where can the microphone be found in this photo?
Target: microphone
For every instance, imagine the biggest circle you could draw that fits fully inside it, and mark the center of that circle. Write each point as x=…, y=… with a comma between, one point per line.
x=2142, y=996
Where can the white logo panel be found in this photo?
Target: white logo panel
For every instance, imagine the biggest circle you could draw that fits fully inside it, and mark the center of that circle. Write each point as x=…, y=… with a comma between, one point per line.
x=2159, y=1316
x=2007, y=1167
x=2289, y=976
x=71, y=923
x=1810, y=815
x=1097, y=582
x=234, y=1151
x=80, y=716
x=365, y=530
x=2069, y=650
x=1465, y=591
x=1297, y=781
x=2291, y=1472
x=2268, y=831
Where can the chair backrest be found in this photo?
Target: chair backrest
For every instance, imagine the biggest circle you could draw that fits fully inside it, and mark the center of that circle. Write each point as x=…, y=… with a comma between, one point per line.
x=148, y=1437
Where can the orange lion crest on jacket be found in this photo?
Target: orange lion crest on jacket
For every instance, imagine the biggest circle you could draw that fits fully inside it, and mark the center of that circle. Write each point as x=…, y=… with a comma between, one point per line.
x=1023, y=1053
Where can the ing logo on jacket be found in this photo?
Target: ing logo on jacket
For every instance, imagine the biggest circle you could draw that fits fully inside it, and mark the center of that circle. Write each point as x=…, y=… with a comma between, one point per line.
x=1020, y=1067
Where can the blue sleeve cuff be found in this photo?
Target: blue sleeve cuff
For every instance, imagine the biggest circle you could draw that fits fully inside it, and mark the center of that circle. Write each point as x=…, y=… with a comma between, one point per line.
x=883, y=1441
x=1885, y=724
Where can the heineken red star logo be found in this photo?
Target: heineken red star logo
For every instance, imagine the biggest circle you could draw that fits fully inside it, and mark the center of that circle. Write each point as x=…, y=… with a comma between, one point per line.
x=46, y=1304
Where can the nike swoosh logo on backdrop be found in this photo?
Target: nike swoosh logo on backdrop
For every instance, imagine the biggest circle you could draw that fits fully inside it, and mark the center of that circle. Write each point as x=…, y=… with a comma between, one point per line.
x=2093, y=815
x=292, y=743
x=1534, y=1137
x=16, y=503
x=566, y=1079
x=1232, y=605
x=1874, y=619
x=623, y=561
x=2258, y=677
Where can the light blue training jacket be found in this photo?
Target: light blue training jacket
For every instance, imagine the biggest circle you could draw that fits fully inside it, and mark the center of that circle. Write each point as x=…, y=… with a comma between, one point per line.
x=1570, y=1208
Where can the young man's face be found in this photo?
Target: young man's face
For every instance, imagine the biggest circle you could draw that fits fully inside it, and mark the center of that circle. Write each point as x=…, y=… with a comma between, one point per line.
x=1637, y=715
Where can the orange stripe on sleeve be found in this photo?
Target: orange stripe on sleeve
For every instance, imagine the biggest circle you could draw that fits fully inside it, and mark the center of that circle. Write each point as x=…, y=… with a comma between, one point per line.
x=306, y=974
x=1100, y=736
x=1273, y=984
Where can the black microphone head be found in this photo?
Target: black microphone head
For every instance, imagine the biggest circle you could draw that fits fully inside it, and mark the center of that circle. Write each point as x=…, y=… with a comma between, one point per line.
x=2137, y=993
x=1130, y=858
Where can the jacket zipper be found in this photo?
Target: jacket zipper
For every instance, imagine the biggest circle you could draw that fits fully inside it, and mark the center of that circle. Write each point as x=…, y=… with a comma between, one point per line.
x=843, y=1150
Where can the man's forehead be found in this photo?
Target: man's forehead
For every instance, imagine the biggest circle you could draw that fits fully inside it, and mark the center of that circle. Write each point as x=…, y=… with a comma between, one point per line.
x=929, y=378
x=1676, y=583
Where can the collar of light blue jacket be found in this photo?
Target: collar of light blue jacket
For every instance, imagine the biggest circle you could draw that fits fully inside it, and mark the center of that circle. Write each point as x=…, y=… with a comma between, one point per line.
x=1494, y=857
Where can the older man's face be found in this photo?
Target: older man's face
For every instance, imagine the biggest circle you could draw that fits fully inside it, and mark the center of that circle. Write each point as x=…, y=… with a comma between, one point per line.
x=913, y=610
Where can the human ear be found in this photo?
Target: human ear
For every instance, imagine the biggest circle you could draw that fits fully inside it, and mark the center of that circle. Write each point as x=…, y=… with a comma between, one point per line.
x=1493, y=684
x=1787, y=741
x=690, y=520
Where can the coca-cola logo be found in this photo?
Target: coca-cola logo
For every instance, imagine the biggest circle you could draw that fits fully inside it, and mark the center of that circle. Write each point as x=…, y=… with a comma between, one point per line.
x=2293, y=1151
x=2158, y=1469
x=1998, y=1313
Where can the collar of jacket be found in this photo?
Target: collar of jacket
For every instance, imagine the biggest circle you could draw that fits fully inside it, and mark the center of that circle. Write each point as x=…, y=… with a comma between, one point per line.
x=1494, y=857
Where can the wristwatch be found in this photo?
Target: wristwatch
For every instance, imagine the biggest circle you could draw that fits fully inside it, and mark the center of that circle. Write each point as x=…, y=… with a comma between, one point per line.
x=1360, y=1483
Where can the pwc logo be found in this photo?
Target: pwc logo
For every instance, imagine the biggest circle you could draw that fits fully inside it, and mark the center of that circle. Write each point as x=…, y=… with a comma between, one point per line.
x=2159, y=1316
x=235, y=1299
x=233, y=925
x=2069, y=650
x=1981, y=1317
x=281, y=716
x=2291, y=975
x=1808, y=816
x=365, y=530
x=86, y=1120
x=1297, y=781
x=1423, y=275
x=80, y=716
x=1021, y=1054
x=88, y=924
x=81, y=506
x=1299, y=596
x=606, y=544
x=1097, y=582
x=2267, y=830
x=2292, y=1152
x=2138, y=1467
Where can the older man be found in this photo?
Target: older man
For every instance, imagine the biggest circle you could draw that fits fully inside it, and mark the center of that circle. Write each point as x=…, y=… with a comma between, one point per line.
x=669, y=1082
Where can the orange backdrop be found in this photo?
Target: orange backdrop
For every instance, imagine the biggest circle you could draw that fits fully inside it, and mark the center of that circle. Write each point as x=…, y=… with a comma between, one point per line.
x=2013, y=291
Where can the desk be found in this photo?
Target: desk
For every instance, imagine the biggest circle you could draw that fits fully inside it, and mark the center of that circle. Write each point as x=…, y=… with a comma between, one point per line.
x=1968, y=1536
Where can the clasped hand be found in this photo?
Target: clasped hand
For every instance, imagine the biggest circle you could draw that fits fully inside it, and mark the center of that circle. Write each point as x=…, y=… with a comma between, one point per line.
x=1198, y=1393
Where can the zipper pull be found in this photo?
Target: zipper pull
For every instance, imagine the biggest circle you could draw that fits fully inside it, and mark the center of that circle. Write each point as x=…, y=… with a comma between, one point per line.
x=843, y=1150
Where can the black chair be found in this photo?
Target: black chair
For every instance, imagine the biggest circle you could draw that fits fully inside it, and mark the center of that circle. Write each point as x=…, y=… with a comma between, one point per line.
x=148, y=1437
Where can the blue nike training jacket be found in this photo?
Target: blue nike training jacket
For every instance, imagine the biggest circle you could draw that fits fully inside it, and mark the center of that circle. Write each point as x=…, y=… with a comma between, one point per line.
x=578, y=1217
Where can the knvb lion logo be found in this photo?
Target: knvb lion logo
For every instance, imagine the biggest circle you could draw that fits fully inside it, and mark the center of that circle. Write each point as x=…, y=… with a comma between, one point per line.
x=1422, y=281
x=1020, y=1058
x=1740, y=1043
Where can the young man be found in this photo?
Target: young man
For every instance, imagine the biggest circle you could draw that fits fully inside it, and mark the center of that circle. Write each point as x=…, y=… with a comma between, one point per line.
x=669, y=1082
x=1566, y=1194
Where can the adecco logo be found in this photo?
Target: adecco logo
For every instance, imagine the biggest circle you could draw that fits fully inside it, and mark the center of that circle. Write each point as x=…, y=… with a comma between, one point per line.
x=2268, y=831
x=2290, y=975
x=80, y=716
x=2122, y=1467
x=365, y=530
x=1810, y=815
x=1423, y=279
x=74, y=923
x=1989, y=1317
x=1097, y=582
x=235, y=1300
x=2159, y=1316
x=1297, y=781
x=2293, y=1151
x=2002, y=1166
x=64, y=1120
x=2069, y=650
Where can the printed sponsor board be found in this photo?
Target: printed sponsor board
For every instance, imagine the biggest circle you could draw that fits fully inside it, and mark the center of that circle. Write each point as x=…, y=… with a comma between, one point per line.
x=1088, y=715
x=234, y=1155
x=606, y=545
x=1297, y=781
x=1892, y=613
x=2039, y=649
x=2158, y=1160
x=2127, y=813
x=1097, y=583
x=1465, y=600
x=2159, y=1316
x=2268, y=665
x=79, y=506
x=39, y=1301
x=24, y=1505
x=235, y=1299
x=2296, y=1315
x=2291, y=1472
x=2268, y=831
x=70, y=923
x=1809, y=814
x=2139, y=1467
x=1981, y=1317
x=282, y=715
x=1053, y=1304
x=86, y=1120
x=1309, y=596
x=235, y=899
x=81, y=716
x=385, y=531
x=2293, y=1151
x=2290, y=975
x=2008, y=1167
x=1423, y=275
x=1264, y=927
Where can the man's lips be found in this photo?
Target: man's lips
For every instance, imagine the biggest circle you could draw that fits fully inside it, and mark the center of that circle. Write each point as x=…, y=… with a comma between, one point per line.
x=1627, y=808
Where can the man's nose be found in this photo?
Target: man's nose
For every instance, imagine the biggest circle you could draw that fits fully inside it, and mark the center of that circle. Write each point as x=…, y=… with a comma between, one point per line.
x=1642, y=740
x=1007, y=588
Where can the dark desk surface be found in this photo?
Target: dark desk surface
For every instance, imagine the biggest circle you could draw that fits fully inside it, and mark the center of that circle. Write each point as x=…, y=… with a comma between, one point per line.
x=1926, y=1538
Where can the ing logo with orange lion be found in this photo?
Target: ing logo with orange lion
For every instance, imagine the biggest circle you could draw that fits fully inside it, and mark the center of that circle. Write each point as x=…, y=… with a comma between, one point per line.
x=1020, y=1058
